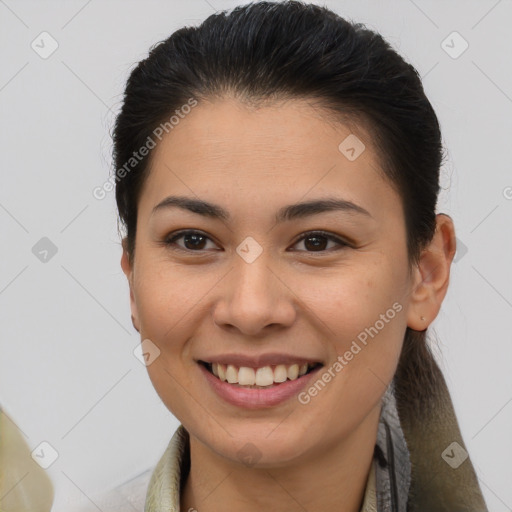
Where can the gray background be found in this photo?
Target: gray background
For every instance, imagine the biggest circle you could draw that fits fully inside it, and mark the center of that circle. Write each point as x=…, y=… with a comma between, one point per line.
x=68, y=374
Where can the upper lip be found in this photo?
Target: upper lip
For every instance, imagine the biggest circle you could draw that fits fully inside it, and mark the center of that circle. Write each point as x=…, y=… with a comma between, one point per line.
x=258, y=361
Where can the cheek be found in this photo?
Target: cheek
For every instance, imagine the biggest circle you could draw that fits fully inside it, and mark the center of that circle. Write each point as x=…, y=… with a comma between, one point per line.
x=167, y=300
x=165, y=296
x=353, y=300
x=365, y=314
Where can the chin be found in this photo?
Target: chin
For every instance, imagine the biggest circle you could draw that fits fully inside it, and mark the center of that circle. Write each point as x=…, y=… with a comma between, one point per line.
x=258, y=445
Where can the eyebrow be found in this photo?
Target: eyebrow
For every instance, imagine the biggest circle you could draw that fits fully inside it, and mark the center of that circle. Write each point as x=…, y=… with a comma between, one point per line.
x=286, y=213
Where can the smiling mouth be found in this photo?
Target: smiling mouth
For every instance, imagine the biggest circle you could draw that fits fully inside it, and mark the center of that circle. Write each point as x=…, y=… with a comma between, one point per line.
x=259, y=378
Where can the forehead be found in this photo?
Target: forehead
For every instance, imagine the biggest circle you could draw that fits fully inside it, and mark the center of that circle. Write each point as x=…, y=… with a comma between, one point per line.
x=281, y=152
x=292, y=129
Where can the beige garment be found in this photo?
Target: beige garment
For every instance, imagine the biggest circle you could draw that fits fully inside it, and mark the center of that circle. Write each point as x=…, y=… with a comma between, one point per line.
x=163, y=494
x=24, y=484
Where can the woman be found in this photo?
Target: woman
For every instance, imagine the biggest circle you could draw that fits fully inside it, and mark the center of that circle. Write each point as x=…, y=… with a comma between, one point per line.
x=277, y=173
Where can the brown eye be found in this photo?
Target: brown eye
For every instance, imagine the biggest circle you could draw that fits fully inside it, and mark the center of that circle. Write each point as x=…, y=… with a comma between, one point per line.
x=317, y=241
x=193, y=241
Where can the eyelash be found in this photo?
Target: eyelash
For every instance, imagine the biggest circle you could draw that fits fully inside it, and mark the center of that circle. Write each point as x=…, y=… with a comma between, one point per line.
x=170, y=242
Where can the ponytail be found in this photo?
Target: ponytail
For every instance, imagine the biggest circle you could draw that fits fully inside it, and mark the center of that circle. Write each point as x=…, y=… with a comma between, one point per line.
x=430, y=427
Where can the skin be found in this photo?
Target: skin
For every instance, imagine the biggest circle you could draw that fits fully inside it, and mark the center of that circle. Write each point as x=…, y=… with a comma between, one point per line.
x=294, y=298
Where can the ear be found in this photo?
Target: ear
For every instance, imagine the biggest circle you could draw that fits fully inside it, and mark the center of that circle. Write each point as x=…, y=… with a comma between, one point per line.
x=127, y=267
x=432, y=275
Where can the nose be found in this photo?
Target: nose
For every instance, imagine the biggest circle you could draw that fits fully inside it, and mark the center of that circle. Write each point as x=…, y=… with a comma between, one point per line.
x=254, y=299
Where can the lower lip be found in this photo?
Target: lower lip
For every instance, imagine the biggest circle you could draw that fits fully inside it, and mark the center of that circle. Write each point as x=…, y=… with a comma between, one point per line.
x=253, y=398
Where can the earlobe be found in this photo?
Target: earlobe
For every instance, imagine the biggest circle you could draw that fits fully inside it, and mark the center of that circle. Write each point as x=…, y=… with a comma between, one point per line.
x=125, y=260
x=432, y=275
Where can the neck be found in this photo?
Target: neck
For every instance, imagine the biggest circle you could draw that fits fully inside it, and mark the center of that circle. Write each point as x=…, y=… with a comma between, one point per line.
x=333, y=479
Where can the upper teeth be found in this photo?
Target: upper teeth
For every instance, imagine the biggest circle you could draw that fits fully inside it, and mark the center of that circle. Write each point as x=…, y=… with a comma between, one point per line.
x=265, y=376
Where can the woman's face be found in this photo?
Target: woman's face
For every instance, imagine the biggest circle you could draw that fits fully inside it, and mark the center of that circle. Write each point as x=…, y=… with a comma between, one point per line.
x=256, y=289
